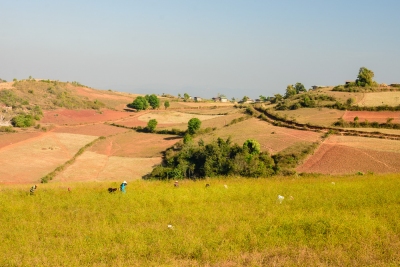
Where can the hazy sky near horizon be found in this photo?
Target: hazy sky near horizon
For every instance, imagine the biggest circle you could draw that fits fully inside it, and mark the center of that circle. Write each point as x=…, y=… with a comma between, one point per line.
x=202, y=47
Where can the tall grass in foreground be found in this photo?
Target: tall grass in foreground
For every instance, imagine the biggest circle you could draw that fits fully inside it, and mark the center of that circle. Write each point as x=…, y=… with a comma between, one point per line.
x=354, y=221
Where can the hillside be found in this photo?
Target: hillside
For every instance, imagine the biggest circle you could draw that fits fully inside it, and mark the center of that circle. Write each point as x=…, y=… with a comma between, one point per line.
x=319, y=135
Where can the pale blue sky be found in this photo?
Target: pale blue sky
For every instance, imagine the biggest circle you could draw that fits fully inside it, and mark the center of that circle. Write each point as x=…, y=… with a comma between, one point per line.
x=200, y=47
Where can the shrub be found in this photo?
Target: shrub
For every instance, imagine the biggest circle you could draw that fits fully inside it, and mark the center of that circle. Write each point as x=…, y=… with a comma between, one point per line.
x=23, y=121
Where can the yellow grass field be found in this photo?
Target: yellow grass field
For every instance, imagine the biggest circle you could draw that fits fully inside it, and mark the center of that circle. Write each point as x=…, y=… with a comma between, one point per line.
x=314, y=116
x=219, y=121
x=27, y=161
x=379, y=99
x=173, y=117
x=340, y=96
x=271, y=138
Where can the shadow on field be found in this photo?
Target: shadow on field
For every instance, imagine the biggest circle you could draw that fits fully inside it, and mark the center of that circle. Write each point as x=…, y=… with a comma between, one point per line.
x=173, y=138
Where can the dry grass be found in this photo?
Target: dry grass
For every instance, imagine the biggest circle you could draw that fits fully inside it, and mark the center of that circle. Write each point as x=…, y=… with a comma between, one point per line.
x=340, y=96
x=353, y=222
x=173, y=117
x=379, y=99
x=315, y=116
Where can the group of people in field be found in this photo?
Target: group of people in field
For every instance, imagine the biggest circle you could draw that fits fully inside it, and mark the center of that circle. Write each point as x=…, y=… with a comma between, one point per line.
x=122, y=188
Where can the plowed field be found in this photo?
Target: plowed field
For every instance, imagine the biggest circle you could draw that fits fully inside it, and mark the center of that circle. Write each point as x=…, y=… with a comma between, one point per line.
x=27, y=161
x=135, y=145
x=91, y=166
x=74, y=117
x=379, y=116
x=346, y=154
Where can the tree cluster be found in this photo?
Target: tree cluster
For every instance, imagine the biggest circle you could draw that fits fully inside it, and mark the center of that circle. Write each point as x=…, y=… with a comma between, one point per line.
x=220, y=157
x=143, y=103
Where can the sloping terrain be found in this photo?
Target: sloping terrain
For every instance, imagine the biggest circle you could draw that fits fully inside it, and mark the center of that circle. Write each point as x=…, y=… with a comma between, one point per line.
x=348, y=154
x=27, y=161
x=271, y=138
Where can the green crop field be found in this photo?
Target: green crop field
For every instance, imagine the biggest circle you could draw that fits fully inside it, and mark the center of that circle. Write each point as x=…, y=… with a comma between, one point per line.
x=322, y=221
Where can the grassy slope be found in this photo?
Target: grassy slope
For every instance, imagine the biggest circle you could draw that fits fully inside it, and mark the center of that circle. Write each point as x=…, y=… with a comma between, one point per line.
x=354, y=222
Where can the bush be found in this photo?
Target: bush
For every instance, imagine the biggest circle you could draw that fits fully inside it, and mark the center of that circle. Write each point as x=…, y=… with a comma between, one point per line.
x=23, y=121
x=151, y=125
x=193, y=125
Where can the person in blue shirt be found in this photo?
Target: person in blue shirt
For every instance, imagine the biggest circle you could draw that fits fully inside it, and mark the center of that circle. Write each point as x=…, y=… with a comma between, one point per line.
x=122, y=186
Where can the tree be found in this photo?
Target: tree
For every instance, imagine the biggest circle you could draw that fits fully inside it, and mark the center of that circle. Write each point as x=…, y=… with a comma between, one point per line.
x=364, y=77
x=252, y=146
x=166, y=104
x=299, y=88
x=179, y=96
x=154, y=101
x=140, y=103
x=263, y=98
x=151, y=125
x=193, y=125
x=350, y=101
x=245, y=98
x=186, y=97
x=290, y=91
x=277, y=98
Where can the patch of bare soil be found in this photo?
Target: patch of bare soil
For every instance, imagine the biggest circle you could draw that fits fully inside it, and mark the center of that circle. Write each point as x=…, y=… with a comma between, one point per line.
x=29, y=160
x=7, y=139
x=331, y=158
x=135, y=145
x=378, y=116
x=85, y=116
x=92, y=129
x=91, y=166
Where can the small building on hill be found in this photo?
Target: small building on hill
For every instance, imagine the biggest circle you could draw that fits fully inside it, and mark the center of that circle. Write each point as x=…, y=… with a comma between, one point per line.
x=197, y=99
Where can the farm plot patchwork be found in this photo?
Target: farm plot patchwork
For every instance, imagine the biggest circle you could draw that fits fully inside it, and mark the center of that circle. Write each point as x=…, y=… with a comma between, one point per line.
x=378, y=116
x=124, y=156
x=271, y=138
x=348, y=154
x=29, y=160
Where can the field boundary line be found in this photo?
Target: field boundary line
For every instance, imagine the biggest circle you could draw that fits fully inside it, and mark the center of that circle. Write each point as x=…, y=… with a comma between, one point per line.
x=60, y=168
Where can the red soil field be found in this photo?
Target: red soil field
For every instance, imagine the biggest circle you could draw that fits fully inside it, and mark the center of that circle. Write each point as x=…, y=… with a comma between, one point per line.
x=85, y=116
x=135, y=145
x=93, y=129
x=7, y=139
x=378, y=116
x=331, y=158
x=29, y=160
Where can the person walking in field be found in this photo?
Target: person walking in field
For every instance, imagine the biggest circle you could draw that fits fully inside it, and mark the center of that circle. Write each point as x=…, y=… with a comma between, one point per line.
x=123, y=186
x=32, y=191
